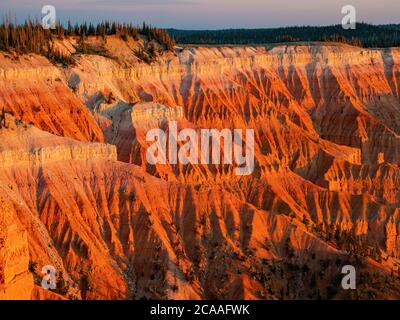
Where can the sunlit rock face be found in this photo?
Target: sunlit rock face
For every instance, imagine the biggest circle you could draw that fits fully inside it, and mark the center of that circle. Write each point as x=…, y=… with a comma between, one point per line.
x=35, y=91
x=325, y=183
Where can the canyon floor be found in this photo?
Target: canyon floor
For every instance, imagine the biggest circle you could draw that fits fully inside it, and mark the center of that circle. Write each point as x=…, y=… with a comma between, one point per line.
x=77, y=193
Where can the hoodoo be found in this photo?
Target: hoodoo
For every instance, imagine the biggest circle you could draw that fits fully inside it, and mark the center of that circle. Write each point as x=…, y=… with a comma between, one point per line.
x=140, y=170
x=197, y=150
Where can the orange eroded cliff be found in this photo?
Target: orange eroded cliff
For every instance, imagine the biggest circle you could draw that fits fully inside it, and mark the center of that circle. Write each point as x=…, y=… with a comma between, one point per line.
x=324, y=192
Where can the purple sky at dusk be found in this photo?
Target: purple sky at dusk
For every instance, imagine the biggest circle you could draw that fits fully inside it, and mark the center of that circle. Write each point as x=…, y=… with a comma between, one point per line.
x=209, y=14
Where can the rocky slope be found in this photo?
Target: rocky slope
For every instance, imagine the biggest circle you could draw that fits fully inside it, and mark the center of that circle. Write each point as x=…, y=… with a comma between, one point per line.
x=324, y=192
x=35, y=91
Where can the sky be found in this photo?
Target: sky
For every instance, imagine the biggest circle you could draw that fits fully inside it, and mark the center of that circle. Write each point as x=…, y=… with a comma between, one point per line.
x=209, y=14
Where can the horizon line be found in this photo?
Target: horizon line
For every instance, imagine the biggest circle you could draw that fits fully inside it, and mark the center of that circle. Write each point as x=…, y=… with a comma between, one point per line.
x=65, y=23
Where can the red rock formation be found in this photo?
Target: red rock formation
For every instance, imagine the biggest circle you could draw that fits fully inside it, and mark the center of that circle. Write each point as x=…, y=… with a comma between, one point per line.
x=324, y=189
x=35, y=91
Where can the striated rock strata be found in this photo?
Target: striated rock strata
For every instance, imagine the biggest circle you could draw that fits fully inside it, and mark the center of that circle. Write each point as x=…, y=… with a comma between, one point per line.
x=324, y=192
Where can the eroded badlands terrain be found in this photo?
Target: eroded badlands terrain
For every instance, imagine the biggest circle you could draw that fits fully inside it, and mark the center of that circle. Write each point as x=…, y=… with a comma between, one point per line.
x=77, y=193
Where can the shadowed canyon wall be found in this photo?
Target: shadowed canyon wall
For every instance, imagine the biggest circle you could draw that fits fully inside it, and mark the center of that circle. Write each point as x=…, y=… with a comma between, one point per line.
x=324, y=192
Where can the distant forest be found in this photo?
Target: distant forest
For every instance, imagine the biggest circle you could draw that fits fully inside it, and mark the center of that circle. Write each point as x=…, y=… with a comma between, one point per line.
x=365, y=35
